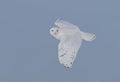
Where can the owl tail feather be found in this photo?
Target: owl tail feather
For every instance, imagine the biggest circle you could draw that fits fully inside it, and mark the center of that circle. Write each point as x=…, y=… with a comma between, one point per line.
x=88, y=36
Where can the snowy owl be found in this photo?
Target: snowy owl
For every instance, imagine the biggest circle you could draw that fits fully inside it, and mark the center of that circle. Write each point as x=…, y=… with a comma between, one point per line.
x=70, y=37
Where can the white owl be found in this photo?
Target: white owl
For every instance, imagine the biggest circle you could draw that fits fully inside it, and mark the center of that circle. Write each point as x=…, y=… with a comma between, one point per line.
x=70, y=38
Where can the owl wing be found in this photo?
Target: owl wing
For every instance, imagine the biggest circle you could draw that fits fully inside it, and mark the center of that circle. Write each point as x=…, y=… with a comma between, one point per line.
x=68, y=49
x=64, y=24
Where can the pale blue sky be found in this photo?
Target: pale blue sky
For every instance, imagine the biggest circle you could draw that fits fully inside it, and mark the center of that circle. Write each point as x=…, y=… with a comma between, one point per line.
x=28, y=53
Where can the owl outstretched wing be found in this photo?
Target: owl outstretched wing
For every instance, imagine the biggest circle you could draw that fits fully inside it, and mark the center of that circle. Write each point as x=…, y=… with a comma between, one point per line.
x=68, y=49
x=64, y=24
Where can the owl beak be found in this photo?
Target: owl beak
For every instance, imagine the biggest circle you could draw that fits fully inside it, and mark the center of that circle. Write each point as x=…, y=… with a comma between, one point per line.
x=55, y=33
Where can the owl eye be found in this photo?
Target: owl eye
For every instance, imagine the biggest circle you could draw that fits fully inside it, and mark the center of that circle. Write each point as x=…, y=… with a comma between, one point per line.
x=52, y=30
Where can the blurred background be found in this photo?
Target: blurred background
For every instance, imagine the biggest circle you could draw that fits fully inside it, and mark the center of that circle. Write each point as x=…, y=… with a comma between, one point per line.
x=28, y=53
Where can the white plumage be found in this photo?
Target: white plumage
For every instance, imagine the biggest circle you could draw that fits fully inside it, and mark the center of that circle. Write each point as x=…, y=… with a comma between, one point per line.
x=70, y=38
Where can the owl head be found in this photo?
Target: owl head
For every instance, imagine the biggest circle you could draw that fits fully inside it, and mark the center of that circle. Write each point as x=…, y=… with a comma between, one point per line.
x=55, y=32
